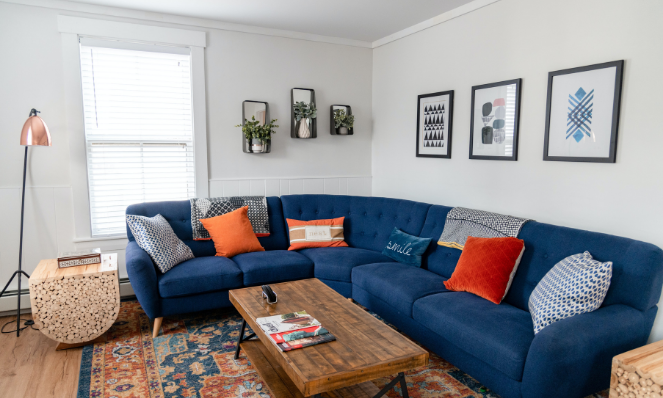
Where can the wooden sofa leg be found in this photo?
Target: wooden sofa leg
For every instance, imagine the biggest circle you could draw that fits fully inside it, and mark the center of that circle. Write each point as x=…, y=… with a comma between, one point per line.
x=157, y=326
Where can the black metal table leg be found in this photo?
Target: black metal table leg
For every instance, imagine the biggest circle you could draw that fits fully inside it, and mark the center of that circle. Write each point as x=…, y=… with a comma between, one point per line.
x=399, y=379
x=403, y=385
x=240, y=338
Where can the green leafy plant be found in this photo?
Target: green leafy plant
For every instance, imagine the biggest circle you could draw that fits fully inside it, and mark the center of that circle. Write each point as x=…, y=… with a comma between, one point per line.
x=305, y=111
x=252, y=129
x=342, y=119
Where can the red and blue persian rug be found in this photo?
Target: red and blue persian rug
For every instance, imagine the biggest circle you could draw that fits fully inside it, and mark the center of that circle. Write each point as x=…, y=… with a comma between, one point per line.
x=193, y=357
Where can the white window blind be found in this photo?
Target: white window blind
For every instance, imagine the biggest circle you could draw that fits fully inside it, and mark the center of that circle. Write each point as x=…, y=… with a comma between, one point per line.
x=138, y=128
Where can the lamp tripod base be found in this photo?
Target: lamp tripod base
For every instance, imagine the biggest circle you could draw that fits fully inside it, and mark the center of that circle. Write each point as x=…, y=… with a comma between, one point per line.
x=28, y=322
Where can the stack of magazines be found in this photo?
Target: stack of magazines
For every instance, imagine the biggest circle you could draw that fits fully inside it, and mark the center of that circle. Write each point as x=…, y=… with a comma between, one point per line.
x=294, y=330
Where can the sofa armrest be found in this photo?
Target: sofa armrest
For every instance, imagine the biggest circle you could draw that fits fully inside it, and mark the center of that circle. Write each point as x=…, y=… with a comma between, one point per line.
x=573, y=357
x=143, y=279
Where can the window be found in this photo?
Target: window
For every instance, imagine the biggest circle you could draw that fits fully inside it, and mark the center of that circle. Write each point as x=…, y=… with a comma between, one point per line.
x=137, y=103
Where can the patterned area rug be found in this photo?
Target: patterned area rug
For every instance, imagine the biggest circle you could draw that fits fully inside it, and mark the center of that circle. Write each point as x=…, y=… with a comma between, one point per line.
x=193, y=357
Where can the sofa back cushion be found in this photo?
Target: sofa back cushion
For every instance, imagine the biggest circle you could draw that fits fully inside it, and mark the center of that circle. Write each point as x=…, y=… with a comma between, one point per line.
x=439, y=259
x=178, y=214
x=637, y=273
x=368, y=220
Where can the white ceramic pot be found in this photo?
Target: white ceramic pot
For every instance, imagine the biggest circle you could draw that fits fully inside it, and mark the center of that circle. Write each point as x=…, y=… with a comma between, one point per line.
x=343, y=130
x=256, y=145
x=304, y=131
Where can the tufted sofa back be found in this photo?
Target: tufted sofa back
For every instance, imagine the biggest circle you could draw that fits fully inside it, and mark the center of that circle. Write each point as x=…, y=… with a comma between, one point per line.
x=439, y=259
x=178, y=215
x=637, y=274
x=368, y=220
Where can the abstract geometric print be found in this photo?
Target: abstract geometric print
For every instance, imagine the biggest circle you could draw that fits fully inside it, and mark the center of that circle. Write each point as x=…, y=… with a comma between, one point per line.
x=433, y=133
x=580, y=114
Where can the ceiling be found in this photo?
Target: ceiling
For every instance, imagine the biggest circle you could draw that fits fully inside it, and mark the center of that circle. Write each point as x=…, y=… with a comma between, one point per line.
x=364, y=20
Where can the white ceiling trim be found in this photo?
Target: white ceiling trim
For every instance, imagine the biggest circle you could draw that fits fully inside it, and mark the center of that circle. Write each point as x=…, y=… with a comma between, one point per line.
x=182, y=20
x=208, y=23
x=130, y=31
x=455, y=13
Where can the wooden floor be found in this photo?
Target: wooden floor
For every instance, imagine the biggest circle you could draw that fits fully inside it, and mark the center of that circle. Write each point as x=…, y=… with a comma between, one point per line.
x=30, y=366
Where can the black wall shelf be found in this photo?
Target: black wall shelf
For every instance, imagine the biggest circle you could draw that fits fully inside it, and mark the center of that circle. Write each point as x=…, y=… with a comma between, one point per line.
x=246, y=145
x=294, y=124
x=332, y=129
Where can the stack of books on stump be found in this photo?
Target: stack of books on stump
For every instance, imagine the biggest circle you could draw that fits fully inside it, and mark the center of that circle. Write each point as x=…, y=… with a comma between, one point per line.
x=294, y=330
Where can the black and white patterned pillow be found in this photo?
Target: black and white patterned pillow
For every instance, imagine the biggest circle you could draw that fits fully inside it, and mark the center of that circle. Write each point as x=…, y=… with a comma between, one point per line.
x=157, y=238
x=575, y=285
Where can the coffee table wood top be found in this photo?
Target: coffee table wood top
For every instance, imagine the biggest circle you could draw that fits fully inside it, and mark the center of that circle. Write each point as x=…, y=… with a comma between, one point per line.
x=365, y=348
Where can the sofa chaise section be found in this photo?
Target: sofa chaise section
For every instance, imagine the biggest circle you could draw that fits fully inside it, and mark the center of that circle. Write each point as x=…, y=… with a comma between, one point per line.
x=496, y=343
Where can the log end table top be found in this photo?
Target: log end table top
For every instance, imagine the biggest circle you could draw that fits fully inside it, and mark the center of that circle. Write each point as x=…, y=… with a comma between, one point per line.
x=365, y=348
x=48, y=269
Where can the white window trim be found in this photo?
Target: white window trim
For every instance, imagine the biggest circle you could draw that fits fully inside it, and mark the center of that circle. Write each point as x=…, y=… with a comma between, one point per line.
x=70, y=29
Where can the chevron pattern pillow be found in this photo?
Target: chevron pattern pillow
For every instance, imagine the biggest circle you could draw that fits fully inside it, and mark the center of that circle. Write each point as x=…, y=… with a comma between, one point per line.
x=157, y=238
x=575, y=285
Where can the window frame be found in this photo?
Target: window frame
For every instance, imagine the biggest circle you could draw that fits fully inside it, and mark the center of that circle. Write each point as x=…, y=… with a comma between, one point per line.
x=71, y=29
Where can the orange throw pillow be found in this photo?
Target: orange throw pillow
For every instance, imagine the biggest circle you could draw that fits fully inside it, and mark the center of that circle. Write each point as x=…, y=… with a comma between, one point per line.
x=232, y=233
x=316, y=233
x=487, y=267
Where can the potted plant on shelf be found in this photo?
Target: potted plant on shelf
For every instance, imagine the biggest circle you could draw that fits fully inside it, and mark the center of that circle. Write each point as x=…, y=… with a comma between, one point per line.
x=304, y=113
x=343, y=122
x=257, y=135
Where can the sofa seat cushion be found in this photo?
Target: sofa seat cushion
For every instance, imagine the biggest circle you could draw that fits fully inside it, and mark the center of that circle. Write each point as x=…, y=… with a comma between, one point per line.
x=500, y=335
x=397, y=284
x=200, y=275
x=273, y=266
x=336, y=263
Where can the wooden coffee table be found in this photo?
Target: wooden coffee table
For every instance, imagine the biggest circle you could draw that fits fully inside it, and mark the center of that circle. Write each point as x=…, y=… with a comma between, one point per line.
x=365, y=348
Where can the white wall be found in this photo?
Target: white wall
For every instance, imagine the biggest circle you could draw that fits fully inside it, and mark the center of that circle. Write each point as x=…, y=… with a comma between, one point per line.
x=239, y=66
x=527, y=39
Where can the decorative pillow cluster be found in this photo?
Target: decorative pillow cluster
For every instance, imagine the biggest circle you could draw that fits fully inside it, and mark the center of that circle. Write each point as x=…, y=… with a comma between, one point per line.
x=575, y=285
x=406, y=248
x=157, y=238
x=316, y=233
x=487, y=267
x=232, y=233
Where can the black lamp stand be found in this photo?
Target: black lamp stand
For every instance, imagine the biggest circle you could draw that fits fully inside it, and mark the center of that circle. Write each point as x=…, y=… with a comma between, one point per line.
x=20, y=258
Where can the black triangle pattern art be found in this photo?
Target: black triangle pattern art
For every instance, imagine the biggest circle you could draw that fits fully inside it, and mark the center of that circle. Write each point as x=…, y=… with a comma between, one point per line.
x=433, y=131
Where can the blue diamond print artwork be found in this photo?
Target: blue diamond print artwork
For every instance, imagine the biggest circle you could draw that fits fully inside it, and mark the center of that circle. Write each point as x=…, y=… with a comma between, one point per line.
x=579, y=119
x=582, y=114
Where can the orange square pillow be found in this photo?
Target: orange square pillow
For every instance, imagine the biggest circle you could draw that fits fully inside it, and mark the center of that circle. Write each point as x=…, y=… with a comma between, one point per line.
x=232, y=233
x=487, y=267
x=316, y=233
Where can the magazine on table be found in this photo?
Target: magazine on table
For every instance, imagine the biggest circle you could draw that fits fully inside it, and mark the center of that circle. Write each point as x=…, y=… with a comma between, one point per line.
x=286, y=322
x=294, y=330
x=293, y=335
x=306, y=342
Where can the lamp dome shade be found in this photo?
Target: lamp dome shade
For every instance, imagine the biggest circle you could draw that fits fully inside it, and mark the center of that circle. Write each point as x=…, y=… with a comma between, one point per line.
x=35, y=132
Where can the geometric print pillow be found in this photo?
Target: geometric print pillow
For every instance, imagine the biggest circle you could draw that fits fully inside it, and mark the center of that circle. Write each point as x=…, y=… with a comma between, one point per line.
x=575, y=285
x=157, y=238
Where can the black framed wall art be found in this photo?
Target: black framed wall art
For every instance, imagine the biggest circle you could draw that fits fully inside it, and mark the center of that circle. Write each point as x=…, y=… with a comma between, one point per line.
x=494, y=120
x=434, y=124
x=582, y=113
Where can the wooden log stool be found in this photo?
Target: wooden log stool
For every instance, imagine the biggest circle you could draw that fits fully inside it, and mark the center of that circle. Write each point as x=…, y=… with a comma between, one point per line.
x=638, y=373
x=77, y=305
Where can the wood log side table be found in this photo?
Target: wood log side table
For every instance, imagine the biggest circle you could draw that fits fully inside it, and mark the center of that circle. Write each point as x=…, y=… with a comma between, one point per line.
x=75, y=305
x=638, y=373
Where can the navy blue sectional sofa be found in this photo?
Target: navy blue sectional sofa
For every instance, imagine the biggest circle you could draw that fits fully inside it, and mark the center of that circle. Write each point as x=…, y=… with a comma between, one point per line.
x=493, y=343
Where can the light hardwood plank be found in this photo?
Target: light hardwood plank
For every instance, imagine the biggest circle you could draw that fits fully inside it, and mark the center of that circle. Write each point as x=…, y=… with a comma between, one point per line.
x=30, y=367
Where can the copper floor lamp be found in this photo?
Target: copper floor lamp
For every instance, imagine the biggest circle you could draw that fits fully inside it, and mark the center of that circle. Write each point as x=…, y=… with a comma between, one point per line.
x=35, y=132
